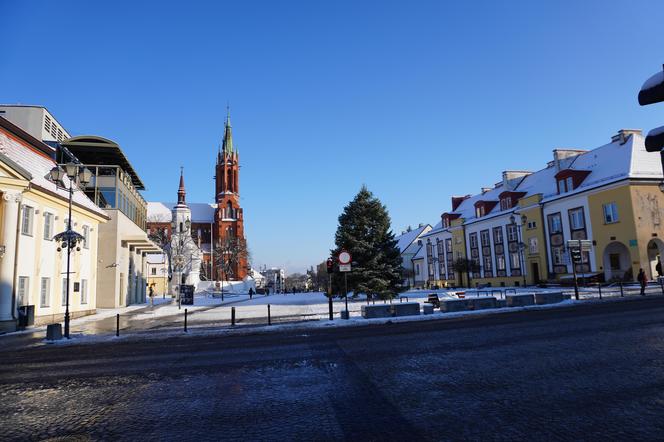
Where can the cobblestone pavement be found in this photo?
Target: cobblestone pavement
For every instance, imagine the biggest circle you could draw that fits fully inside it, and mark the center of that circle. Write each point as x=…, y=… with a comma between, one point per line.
x=592, y=372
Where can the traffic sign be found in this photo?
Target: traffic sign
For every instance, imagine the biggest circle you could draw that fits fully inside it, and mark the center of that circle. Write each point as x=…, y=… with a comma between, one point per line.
x=344, y=257
x=344, y=267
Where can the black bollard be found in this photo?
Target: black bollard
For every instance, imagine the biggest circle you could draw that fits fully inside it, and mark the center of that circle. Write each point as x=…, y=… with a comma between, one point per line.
x=599, y=286
x=232, y=316
x=329, y=306
x=661, y=284
x=117, y=324
x=269, y=318
x=621, y=289
x=185, y=320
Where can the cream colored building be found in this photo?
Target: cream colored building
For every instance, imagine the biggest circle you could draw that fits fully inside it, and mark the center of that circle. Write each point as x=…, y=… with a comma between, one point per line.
x=32, y=211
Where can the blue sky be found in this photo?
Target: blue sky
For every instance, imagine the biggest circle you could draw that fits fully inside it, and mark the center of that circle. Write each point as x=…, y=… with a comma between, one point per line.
x=417, y=100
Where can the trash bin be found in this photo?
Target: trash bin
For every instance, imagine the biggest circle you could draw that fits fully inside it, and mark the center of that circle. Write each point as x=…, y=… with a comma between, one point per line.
x=26, y=315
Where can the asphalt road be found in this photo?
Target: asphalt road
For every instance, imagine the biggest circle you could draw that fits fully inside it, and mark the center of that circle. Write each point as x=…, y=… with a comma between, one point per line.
x=589, y=372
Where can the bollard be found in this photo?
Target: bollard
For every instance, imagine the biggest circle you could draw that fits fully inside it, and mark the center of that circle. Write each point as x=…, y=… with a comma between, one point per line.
x=599, y=286
x=232, y=316
x=621, y=289
x=329, y=306
x=185, y=320
x=661, y=283
x=117, y=324
x=269, y=319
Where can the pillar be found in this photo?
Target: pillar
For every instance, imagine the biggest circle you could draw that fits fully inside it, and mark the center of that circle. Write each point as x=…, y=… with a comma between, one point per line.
x=11, y=202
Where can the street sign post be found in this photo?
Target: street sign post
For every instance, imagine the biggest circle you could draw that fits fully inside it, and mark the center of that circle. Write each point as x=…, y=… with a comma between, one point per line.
x=576, y=247
x=345, y=259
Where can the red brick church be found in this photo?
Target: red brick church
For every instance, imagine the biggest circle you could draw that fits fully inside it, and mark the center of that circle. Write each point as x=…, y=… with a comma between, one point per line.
x=217, y=223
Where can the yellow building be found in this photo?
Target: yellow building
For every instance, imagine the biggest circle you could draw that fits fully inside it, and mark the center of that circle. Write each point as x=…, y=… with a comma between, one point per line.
x=33, y=282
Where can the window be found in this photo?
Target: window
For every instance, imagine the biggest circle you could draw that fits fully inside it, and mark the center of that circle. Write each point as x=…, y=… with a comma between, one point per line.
x=487, y=266
x=532, y=245
x=500, y=262
x=45, y=292
x=531, y=225
x=48, y=226
x=59, y=135
x=514, y=259
x=47, y=124
x=153, y=271
x=479, y=211
x=484, y=234
x=555, y=223
x=64, y=290
x=84, y=291
x=569, y=183
x=497, y=235
x=506, y=203
x=610, y=213
x=473, y=240
x=23, y=290
x=512, y=234
x=448, y=245
x=417, y=269
x=86, y=237
x=54, y=130
x=576, y=219
x=558, y=257
x=26, y=220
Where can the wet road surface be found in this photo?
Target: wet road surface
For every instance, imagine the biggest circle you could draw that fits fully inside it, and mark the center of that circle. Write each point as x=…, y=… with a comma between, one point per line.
x=586, y=372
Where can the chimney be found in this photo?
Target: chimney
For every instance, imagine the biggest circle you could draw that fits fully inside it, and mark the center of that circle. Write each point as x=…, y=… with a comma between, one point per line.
x=623, y=135
x=560, y=157
x=512, y=178
x=486, y=189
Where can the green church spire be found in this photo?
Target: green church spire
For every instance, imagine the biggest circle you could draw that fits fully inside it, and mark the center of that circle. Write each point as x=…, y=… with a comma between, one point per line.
x=228, y=134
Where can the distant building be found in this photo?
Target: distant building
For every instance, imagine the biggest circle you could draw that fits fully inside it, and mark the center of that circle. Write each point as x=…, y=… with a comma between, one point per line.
x=158, y=273
x=408, y=247
x=274, y=279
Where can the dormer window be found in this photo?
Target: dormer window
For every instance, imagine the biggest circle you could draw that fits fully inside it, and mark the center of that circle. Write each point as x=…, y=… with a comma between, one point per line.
x=479, y=211
x=447, y=218
x=484, y=208
x=569, y=179
x=506, y=203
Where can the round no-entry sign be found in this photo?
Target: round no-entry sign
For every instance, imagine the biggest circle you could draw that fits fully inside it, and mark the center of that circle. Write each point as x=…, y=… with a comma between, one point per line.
x=344, y=257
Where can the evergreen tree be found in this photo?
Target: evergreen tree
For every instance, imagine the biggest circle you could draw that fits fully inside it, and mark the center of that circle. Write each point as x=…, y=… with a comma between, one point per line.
x=364, y=231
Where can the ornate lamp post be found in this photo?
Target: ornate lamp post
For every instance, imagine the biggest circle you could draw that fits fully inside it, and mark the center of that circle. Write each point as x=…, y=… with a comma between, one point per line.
x=78, y=175
x=521, y=245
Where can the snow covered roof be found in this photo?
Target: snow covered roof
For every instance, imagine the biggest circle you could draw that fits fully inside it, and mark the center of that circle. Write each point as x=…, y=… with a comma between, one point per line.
x=38, y=165
x=155, y=258
x=420, y=253
x=624, y=157
x=407, y=238
x=200, y=212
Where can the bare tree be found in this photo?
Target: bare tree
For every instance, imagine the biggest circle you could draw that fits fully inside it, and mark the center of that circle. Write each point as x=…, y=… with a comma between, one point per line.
x=229, y=253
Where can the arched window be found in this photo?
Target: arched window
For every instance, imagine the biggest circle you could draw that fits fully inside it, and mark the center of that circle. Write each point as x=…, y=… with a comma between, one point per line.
x=229, y=210
x=229, y=181
x=180, y=227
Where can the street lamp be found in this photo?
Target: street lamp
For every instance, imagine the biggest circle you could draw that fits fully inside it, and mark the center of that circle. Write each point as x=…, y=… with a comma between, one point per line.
x=78, y=175
x=521, y=245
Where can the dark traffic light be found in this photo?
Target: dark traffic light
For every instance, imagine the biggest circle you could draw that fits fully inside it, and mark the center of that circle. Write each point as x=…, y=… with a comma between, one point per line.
x=576, y=255
x=330, y=265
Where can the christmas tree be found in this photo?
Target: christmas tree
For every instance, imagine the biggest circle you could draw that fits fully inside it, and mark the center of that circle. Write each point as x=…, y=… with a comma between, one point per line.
x=364, y=231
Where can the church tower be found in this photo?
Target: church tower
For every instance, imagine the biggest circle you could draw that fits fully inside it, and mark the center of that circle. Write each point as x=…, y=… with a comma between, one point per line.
x=229, y=221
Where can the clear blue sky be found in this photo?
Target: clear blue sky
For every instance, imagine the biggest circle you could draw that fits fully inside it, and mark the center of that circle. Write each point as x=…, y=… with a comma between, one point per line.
x=417, y=100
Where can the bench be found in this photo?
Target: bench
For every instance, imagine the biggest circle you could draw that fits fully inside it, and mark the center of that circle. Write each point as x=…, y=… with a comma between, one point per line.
x=406, y=309
x=453, y=305
x=520, y=300
x=548, y=298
